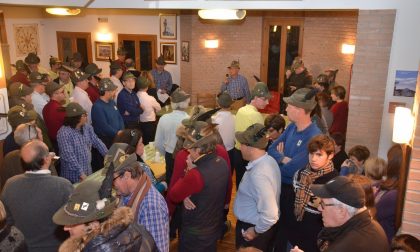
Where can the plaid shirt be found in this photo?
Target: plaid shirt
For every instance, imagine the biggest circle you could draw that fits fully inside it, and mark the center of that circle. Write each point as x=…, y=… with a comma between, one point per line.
x=237, y=88
x=75, y=151
x=153, y=215
x=163, y=80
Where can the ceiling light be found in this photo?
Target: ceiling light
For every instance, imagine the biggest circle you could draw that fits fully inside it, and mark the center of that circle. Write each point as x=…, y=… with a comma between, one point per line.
x=63, y=11
x=222, y=14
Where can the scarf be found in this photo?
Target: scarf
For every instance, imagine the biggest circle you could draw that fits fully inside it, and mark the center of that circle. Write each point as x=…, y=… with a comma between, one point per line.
x=139, y=193
x=303, y=191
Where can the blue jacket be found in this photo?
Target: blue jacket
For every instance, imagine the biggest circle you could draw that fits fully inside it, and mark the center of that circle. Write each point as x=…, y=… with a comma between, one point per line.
x=106, y=119
x=295, y=147
x=129, y=102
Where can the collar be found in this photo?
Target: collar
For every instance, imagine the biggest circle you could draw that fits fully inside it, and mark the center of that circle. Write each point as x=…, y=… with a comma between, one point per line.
x=255, y=162
x=39, y=172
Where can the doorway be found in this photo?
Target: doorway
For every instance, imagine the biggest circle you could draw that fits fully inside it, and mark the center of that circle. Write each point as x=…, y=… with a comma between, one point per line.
x=141, y=48
x=71, y=42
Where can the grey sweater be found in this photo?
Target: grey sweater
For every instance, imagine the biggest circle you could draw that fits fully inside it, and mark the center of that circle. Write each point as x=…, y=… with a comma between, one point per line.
x=31, y=200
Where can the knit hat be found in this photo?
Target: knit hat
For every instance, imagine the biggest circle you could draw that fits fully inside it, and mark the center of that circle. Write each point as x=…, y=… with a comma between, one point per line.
x=234, y=64
x=18, y=115
x=179, y=96
x=343, y=189
x=74, y=109
x=54, y=60
x=32, y=58
x=254, y=136
x=51, y=87
x=142, y=82
x=106, y=84
x=115, y=65
x=86, y=204
x=78, y=76
x=260, y=90
x=93, y=69
x=160, y=60
x=224, y=100
x=19, y=90
x=35, y=78
x=77, y=57
x=302, y=98
x=128, y=75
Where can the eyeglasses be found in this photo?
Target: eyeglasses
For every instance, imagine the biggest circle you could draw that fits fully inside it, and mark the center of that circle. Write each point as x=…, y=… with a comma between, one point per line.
x=323, y=204
x=119, y=176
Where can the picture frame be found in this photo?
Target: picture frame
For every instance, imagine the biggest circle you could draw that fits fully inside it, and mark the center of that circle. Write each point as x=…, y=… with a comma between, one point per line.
x=185, y=51
x=168, y=50
x=104, y=51
x=168, y=26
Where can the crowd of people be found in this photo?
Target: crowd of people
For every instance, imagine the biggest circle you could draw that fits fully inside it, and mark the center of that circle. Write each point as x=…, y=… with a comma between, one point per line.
x=297, y=187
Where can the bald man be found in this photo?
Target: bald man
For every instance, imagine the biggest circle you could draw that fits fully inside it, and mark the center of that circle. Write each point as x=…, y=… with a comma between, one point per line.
x=31, y=210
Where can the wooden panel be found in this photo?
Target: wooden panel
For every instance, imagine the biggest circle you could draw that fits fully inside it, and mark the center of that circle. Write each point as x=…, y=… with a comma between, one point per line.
x=74, y=36
x=137, y=38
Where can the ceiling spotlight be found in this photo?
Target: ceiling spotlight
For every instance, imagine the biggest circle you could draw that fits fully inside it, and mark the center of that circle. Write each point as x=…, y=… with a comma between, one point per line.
x=63, y=11
x=222, y=14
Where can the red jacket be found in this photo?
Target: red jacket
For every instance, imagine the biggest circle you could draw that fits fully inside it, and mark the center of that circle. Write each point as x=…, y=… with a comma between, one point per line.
x=53, y=114
x=20, y=77
x=340, y=111
x=194, y=182
x=93, y=93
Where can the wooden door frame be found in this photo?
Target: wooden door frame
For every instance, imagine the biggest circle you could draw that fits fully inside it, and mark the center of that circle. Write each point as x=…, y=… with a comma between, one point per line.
x=137, y=38
x=284, y=22
x=74, y=36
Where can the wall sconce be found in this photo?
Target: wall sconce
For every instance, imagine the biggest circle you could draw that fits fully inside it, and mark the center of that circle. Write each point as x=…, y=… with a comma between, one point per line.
x=104, y=37
x=222, y=14
x=213, y=43
x=403, y=125
x=347, y=49
x=63, y=11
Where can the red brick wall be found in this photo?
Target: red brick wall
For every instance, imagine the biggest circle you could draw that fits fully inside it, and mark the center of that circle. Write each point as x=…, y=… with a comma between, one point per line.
x=186, y=67
x=368, y=83
x=411, y=215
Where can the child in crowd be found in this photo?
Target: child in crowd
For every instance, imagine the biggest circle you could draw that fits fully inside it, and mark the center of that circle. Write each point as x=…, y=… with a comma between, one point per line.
x=339, y=110
x=340, y=154
x=355, y=164
x=375, y=169
x=275, y=125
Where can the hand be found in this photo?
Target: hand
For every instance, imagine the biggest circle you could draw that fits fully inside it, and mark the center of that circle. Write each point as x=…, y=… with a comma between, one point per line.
x=249, y=234
x=189, y=205
x=82, y=177
x=286, y=160
x=280, y=147
x=39, y=133
x=296, y=249
x=288, y=73
x=190, y=164
x=226, y=81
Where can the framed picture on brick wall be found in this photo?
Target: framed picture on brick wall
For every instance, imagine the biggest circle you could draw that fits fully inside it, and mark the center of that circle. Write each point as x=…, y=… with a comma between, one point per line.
x=167, y=26
x=168, y=50
x=185, y=51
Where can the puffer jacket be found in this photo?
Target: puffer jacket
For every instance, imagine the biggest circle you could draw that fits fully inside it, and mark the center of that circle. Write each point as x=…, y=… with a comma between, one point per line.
x=118, y=233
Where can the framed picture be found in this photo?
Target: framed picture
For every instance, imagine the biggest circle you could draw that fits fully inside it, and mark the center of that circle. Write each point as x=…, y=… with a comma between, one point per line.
x=168, y=50
x=104, y=51
x=167, y=26
x=27, y=39
x=185, y=51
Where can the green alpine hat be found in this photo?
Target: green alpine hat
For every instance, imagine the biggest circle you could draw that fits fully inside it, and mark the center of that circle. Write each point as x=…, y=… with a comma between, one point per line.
x=224, y=100
x=85, y=205
x=160, y=60
x=74, y=109
x=51, y=87
x=179, y=96
x=142, y=82
x=19, y=90
x=78, y=76
x=198, y=135
x=234, y=64
x=254, y=136
x=54, y=60
x=118, y=155
x=18, y=115
x=93, y=69
x=302, y=98
x=36, y=78
x=261, y=90
x=77, y=57
x=106, y=84
x=128, y=75
x=20, y=65
x=32, y=58
x=115, y=65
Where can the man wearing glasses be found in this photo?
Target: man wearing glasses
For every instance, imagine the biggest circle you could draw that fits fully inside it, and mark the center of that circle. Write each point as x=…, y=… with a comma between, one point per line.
x=348, y=225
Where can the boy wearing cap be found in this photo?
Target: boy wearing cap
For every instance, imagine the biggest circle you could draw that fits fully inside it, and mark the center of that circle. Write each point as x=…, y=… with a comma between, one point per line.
x=128, y=102
x=39, y=97
x=257, y=201
x=54, y=112
x=55, y=65
x=22, y=72
x=348, y=225
x=150, y=106
x=247, y=116
x=106, y=119
x=75, y=140
x=31, y=210
x=79, y=93
x=236, y=85
x=161, y=77
x=165, y=138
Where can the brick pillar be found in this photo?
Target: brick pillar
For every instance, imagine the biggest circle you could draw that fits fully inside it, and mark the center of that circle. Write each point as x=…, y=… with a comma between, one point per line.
x=186, y=67
x=370, y=71
x=411, y=215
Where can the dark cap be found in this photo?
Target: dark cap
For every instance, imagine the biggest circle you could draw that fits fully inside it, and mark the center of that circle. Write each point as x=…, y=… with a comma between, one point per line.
x=32, y=58
x=85, y=205
x=36, y=78
x=128, y=75
x=77, y=57
x=115, y=65
x=18, y=115
x=142, y=82
x=74, y=109
x=302, y=98
x=199, y=134
x=79, y=76
x=224, y=100
x=179, y=96
x=19, y=90
x=343, y=189
x=234, y=64
x=160, y=60
x=20, y=65
x=260, y=90
x=106, y=84
x=51, y=87
x=93, y=69
x=254, y=136
x=54, y=60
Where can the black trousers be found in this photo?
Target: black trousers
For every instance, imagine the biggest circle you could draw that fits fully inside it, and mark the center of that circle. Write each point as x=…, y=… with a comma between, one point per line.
x=263, y=241
x=286, y=211
x=149, y=130
x=169, y=160
x=239, y=163
x=231, y=154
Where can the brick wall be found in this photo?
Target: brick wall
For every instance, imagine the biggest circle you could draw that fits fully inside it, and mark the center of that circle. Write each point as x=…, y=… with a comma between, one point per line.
x=411, y=215
x=368, y=83
x=324, y=34
x=186, y=67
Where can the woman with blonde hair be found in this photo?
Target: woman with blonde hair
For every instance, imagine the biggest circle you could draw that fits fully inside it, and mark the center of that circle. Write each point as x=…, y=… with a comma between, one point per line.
x=11, y=239
x=375, y=169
